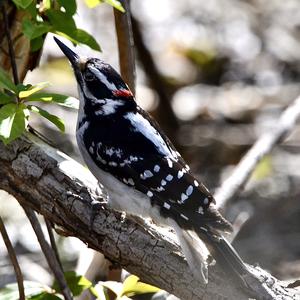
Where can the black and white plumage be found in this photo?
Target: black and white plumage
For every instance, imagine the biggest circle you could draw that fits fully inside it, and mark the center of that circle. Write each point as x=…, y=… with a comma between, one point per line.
x=144, y=174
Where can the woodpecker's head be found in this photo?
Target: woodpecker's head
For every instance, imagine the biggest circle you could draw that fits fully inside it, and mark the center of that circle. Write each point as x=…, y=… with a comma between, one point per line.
x=99, y=84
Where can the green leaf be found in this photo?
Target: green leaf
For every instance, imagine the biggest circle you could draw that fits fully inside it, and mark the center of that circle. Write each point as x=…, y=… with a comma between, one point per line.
x=61, y=21
x=32, y=10
x=36, y=44
x=82, y=37
x=85, y=38
x=22, y=87
x=75, y=282
x=6, y=82
x=11, y=291
x=22, y=3
x=46, y=4
x=92, y=3
x=64, y=25
x=132, y=286
x=69, y=5
x=13, y=121
x=263, y=169
x=116, y=4
x=33, y=29
x=33, y=89
x=59, y=123
x=141, y=288
x=45, y=296
x=129, y=283
x=4, y=98
x=62, y=100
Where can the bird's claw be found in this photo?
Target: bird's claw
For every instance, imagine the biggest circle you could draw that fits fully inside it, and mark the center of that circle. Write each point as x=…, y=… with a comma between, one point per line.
x=96, y=206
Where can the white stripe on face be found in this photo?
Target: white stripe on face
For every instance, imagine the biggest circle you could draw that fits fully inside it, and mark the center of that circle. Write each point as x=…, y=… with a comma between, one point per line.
x=111, y=86
x=109, y=107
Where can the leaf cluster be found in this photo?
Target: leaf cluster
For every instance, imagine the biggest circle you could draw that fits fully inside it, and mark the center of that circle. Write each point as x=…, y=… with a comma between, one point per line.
x=57, y=17
x=77, y=284
x=17, y=102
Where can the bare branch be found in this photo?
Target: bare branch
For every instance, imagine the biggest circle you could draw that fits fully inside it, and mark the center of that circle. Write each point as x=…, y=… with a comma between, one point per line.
x=13, y=258
x=65, y=192
x=10, y=45
x=49, y=253
x=235, y=183
x=49, y=226
x=125, y=44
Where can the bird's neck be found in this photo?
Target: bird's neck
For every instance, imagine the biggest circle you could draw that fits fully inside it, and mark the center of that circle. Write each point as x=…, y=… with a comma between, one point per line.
x=104, y=110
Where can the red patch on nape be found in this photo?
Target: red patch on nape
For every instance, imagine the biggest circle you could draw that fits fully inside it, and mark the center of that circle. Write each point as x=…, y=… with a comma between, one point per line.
x=123, y=93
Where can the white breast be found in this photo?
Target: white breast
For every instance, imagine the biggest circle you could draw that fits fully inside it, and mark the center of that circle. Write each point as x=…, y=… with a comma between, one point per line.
x=121, y=196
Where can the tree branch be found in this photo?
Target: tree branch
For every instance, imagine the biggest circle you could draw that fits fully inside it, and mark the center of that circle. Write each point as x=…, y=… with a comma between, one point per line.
x=235, y=183
x=125, y=45
x=13, y=258
x=66, y=193
x=49, y=253
x=10, y=45
x=49, y=226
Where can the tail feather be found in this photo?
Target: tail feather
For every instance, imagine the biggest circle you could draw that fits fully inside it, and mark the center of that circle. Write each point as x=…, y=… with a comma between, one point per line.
x=198, y=243
x=194, y=251
x=225, y=255
x=214, y=220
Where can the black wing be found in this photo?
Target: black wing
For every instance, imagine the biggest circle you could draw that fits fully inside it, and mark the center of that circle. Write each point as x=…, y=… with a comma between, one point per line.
x=171, y=186
x=143, y=158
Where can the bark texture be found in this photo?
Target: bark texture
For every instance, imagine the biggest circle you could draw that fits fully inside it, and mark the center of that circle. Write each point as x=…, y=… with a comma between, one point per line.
x=68, y=195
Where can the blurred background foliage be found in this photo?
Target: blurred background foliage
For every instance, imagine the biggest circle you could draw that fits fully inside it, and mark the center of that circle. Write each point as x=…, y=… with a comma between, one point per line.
x=216, y=75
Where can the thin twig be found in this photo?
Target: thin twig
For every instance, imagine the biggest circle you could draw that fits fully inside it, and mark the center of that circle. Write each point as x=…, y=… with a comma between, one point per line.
x=49, y=253
x=234, y=184
x=49, y=225
x=10, y=46
x=13, y=258
x=125, y=45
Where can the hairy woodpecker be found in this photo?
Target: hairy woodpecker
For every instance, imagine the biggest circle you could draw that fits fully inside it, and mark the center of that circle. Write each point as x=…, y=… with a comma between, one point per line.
x=144, y=174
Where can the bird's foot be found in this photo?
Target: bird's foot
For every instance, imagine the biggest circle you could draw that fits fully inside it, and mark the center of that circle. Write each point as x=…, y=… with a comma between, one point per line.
x=96, y=206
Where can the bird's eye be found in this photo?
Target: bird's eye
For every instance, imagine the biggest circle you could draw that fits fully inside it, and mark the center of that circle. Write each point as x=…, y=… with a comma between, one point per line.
x=89, y=76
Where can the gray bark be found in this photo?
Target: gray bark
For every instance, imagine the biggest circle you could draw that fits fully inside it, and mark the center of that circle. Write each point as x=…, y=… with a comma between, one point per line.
x=67, y=194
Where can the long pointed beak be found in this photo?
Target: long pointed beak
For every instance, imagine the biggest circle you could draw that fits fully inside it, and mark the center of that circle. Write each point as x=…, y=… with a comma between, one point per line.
x=72, y=56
